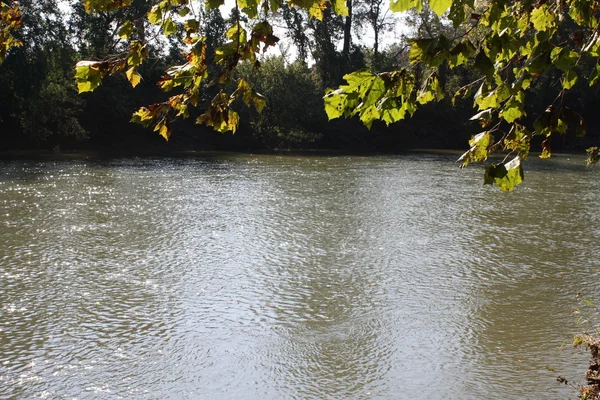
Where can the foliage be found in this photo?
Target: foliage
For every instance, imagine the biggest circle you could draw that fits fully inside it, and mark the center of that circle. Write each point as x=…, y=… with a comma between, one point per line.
x=589, y=339
x=10, y=21
x=242, y=44
x=511, y=45
x=511, y=51
x=294, y=114
x=39, y=99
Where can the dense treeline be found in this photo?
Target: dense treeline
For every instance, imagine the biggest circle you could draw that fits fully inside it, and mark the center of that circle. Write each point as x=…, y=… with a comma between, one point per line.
x=40, y=107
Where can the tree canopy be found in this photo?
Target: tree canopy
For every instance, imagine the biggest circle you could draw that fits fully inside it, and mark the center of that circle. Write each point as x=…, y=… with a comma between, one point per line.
x=508, y=47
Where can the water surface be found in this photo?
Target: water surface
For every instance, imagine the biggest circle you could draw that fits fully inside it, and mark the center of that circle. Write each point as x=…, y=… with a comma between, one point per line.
x=271, y=277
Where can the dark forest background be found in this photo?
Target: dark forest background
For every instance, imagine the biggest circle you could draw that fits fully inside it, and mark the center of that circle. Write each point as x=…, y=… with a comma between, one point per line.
x=40, y=107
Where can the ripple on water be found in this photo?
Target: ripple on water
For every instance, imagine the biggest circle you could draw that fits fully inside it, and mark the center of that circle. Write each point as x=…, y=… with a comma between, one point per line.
x=286, y=277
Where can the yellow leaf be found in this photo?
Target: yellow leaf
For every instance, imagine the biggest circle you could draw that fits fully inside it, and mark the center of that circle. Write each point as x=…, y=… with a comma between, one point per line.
x=133, y=77
x=164, y=132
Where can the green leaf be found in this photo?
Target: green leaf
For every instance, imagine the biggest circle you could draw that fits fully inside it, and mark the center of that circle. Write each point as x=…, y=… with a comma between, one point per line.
x=250, y=7
x=405, y=5
x=369, y=115
x=480, y=144
x=563, y=58
x=543, y=125
x=88, y=75
x=374, y=93
x=339, y=7
x=425, y=96
x=570, y=79
x=126, y=30
x=485, y=115
x=391, y=111
x=461, y=53
x=432, y=90
x=136, y=54
x=214, y=3
x=505, y=176
x=105, y=5
x=594, y=75
x=513, y=110
x=169, y=27
x=260, y=101
x=582, y=12
x=335, y=103
x=315, y=9
x=191, y=26
x=484, y=65
x=155, y=14
x=440, y=6
x=479, y=151
x=431, y=52
x=543, y=19
x=184, y=11
x=518, y=139
x=493, y=99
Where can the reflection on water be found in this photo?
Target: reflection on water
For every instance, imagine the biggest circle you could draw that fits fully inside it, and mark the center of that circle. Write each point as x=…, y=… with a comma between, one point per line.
x=241, y=276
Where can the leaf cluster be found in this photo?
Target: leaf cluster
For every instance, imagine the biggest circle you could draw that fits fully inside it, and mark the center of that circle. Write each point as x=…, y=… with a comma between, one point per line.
x=10, y=21
x=511, y=44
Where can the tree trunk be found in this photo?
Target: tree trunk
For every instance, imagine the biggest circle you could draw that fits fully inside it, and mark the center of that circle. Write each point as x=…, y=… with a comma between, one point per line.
x=347, y=31
x=376, y=51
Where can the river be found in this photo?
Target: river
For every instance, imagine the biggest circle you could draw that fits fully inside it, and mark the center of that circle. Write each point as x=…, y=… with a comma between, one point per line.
x=231, y=276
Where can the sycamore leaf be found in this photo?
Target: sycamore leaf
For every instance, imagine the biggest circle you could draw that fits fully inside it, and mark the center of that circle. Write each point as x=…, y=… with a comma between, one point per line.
x=335, y=103
x=214, y=3
x=184, y=11
x=505, y=176
x=518, y=139
x=136, y=54
x=405, y=5
x=163, y=129
x=274, y=5
x=142, y=116
x=480, y=144
x=461, y=53
x=126, y=30
x=105, y=5
x=570, y=79
x=484, y=65
x=133, y=76
x=191, y=26
x=593, y=155
x=482, y=115
x=260, y=101
x=88, y=75
x=339, y=7
x=513, y=110
x=563, y=58
x=440, y=6
x=542, y=18
x=155, y=14
x=250, y=7
x=543, y=125
x=594, y=75
x=546, y=152
x=169, y=27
